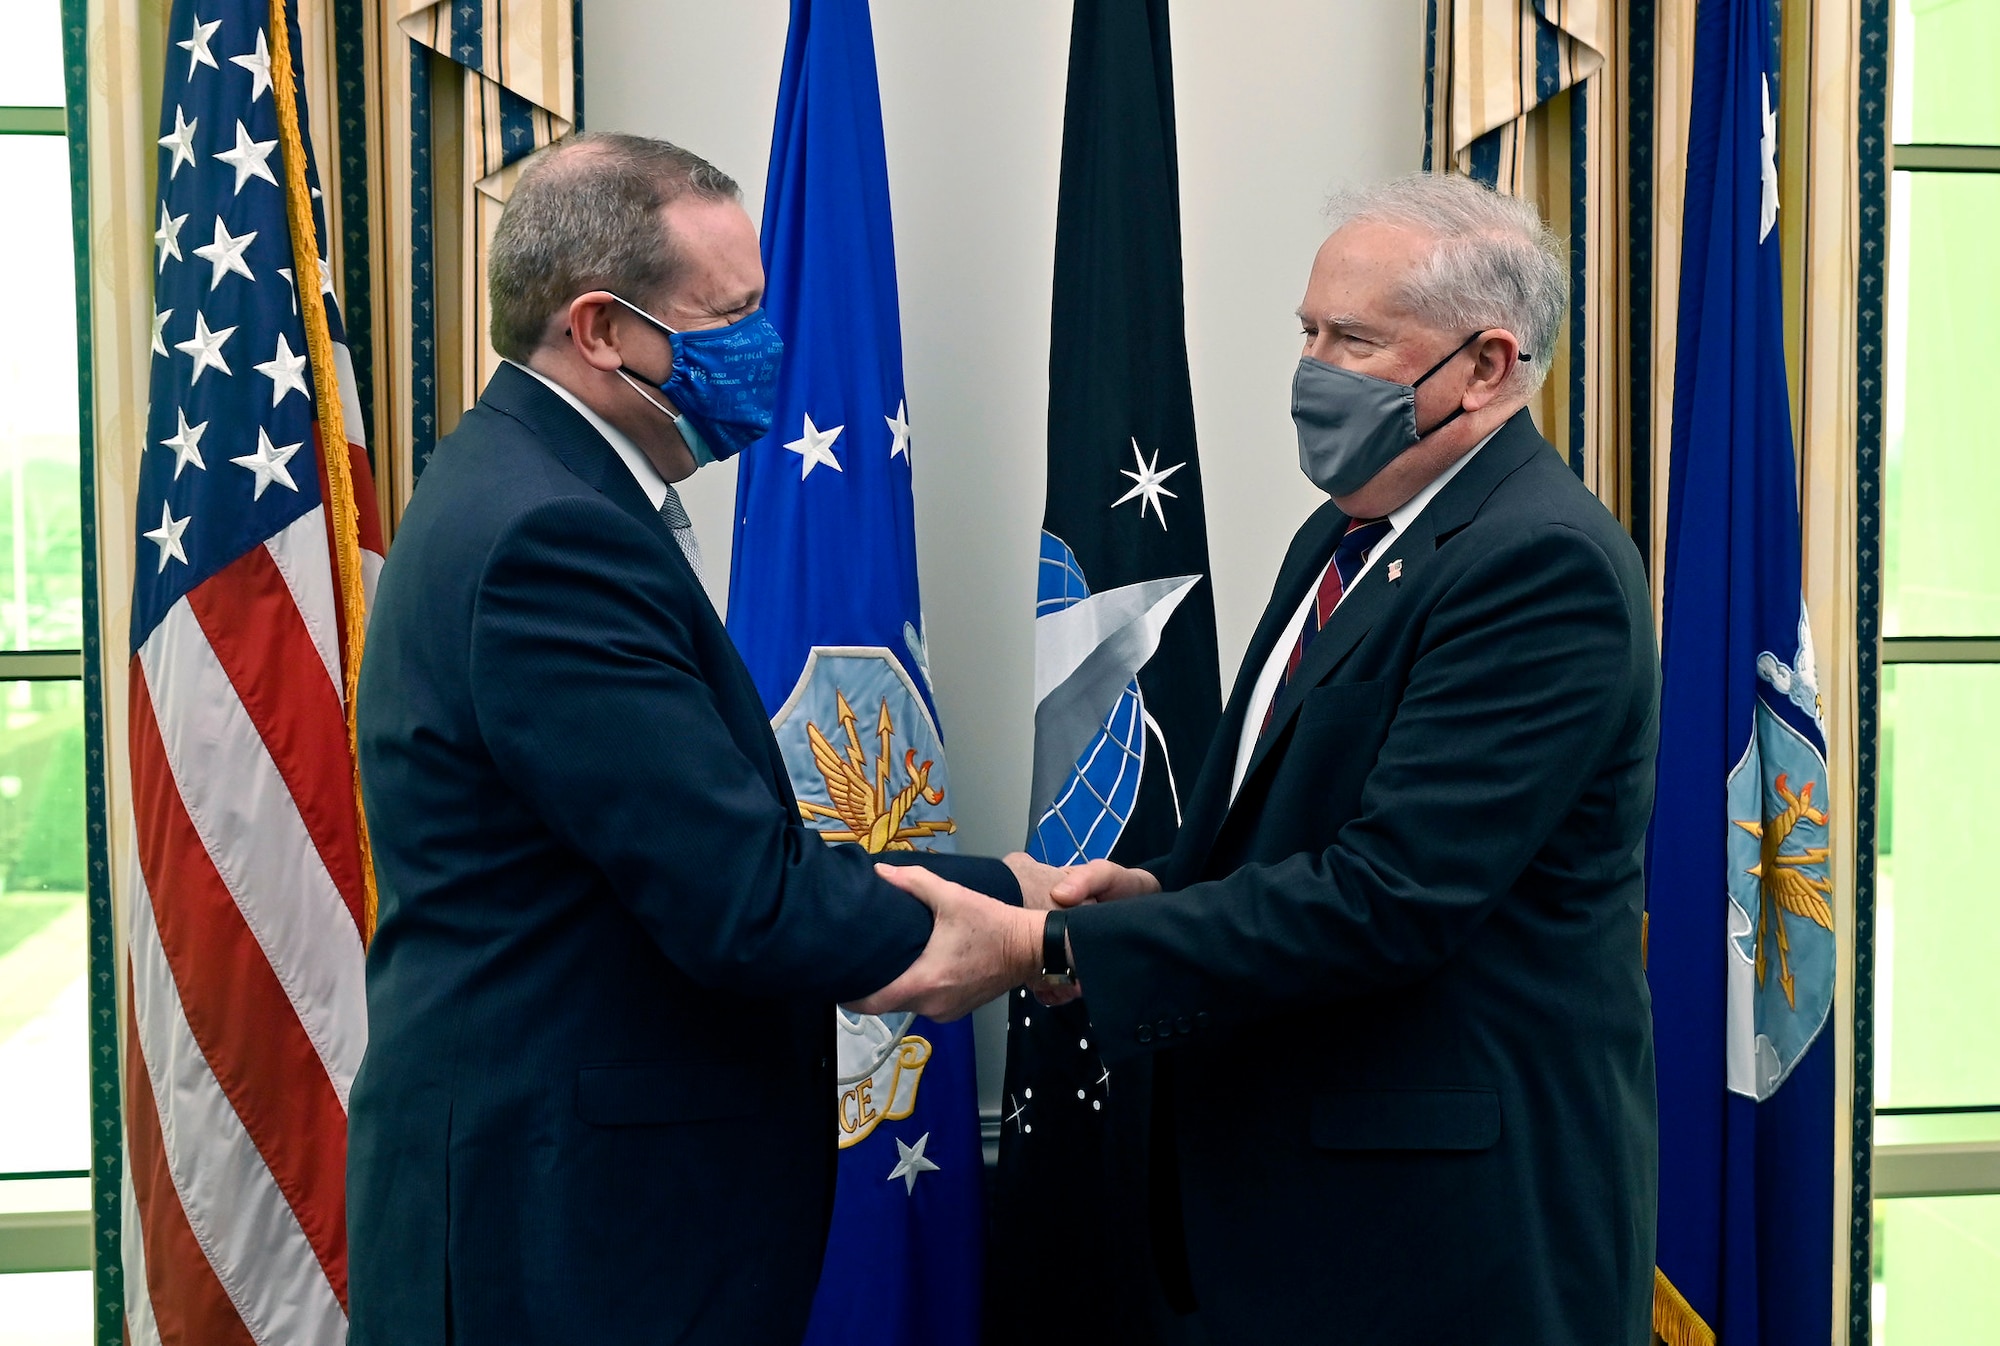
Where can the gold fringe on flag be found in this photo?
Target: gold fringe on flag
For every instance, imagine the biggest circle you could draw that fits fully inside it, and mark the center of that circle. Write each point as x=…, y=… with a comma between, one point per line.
x=1674, y=1320
x=341, y=509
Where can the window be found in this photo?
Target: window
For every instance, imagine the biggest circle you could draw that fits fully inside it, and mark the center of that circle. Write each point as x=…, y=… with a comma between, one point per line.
x=45, y=1291
x=1937, y=1070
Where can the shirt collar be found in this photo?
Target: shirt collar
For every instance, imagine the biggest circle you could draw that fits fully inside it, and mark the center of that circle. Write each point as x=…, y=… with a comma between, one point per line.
x=1401, y=517
x=641, y=467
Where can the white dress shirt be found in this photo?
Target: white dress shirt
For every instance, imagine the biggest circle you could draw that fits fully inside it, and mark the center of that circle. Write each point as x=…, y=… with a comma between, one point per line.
x=1266, y=687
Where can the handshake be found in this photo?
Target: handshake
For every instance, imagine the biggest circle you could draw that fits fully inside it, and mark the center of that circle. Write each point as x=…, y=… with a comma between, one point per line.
x=980, y=948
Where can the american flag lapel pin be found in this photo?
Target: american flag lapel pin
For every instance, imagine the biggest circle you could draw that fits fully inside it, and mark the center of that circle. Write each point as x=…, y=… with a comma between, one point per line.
x=1395, y=571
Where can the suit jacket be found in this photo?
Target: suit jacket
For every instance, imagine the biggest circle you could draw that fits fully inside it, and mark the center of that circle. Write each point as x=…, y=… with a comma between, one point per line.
x=597, y=1102
x=1392, y=1002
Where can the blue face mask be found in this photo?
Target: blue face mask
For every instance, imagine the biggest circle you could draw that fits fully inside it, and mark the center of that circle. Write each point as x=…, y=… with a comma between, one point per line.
x=724, y=383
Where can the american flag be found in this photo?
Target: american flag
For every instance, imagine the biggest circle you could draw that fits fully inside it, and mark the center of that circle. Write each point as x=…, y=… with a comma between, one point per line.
x=248, y=904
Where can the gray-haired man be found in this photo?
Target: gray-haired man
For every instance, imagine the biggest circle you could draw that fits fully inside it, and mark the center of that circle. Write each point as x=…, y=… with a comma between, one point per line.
x=1383, y=1007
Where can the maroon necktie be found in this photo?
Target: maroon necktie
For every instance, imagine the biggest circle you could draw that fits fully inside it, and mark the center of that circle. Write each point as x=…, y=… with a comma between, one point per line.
x=1361, y=537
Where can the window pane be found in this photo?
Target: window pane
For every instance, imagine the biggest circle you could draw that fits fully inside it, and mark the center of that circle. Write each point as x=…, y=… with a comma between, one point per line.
x=31, y=59
x=1946, y=52
x=41, y=561
x=1937, y=942
x=1937, y=1270
x=49, y=1308
x=44, y=1024
x=1941, y=552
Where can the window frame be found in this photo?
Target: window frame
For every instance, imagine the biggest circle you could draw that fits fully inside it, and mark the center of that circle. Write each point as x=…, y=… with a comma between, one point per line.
x=1889, y=1169
x=1960, y=1168
x=82, y=1238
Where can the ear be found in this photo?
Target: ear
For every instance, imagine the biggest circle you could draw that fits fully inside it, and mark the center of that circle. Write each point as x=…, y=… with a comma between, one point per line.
x=1493, y=361
x=592, y=328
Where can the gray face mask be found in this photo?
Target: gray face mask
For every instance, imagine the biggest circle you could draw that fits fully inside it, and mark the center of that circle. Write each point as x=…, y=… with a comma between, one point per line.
x=1351, y=425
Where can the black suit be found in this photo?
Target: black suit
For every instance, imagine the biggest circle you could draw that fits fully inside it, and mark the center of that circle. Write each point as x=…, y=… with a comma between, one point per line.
x=1392, y=1001
x=597, y=1099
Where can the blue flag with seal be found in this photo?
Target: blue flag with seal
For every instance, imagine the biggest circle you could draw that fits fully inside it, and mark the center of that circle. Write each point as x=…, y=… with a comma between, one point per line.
x=823, y=605
x=1740, y=892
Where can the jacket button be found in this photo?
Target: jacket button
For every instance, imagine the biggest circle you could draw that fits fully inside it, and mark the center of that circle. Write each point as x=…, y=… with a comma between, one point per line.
x=1145, y=1032
x=1201, y=1019
x=1184, y=1026
x=1165, y=1028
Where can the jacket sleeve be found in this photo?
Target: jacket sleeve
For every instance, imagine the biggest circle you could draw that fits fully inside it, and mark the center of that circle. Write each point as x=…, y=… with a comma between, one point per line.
x=1521, y=684
x=588, y=695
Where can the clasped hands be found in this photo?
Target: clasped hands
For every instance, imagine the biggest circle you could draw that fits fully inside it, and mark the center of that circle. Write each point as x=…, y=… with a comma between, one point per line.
x=980, y=948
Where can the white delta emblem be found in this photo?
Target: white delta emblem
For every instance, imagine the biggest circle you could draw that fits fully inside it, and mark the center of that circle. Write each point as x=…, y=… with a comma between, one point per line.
x=883, y=789
x=1780, y=942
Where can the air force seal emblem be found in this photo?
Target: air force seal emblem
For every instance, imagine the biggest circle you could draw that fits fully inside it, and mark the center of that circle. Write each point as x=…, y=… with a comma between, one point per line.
x=858, y=787
x=1781, y=936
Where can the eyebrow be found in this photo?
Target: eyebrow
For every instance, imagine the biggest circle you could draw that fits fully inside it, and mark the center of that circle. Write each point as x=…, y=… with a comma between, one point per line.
x=1347, y=321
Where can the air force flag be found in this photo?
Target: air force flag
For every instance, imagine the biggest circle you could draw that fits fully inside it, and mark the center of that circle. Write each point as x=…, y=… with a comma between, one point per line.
x=823, y=605
x=1739, y=883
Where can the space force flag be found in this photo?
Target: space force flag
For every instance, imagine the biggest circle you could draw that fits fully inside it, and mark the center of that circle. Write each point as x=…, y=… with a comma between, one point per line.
x=1127, y=689
x=1742, y=955
x=823, y=605
x=251, y=895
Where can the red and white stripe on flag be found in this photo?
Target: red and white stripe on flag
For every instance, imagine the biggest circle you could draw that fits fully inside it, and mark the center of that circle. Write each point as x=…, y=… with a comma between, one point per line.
x=248, y=901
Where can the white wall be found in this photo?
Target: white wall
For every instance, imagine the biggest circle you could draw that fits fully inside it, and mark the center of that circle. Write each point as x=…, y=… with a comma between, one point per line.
x=1279, y=102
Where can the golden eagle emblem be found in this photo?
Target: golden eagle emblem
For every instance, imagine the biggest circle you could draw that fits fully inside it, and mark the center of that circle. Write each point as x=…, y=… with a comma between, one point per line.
x=1784, y=882
x=858, y=790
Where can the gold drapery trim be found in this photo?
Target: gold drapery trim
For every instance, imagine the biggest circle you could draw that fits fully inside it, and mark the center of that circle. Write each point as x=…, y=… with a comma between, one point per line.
x=1674, y=1320
x=343, y=516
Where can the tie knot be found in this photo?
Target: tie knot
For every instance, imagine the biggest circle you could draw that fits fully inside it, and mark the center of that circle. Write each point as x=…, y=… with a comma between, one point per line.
x=1361, y=535
x=672, y=512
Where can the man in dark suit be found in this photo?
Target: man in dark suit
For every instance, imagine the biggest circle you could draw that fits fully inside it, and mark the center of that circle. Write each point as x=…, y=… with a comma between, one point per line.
x=1383, y=1008
x=597, y=1100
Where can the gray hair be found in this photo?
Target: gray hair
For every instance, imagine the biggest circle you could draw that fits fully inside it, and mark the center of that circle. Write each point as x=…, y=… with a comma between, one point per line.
x=586, y=216
x=1494, y=262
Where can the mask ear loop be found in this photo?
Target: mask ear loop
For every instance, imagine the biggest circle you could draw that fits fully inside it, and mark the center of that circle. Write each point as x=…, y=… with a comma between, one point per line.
x=1456, y=351
x=632, y=377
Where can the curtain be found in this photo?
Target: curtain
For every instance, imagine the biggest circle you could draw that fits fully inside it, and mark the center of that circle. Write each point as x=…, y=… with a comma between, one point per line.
x=1527, y=96
x=456, y=96
x=125, y=58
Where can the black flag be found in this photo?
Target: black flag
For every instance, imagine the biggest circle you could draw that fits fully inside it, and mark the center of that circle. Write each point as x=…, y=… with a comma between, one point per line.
x=1126, y=684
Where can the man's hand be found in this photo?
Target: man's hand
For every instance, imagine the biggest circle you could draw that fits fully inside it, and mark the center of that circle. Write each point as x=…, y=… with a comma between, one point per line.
x=1101, y=881
x=1035, y=879
x=979, y=948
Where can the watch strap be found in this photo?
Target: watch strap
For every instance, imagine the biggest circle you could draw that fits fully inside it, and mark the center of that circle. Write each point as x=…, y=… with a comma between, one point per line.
x=1055, y=946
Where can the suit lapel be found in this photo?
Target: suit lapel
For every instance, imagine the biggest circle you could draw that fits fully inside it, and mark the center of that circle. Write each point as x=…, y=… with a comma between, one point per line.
x=1374, y=596
x=1209, y=802
x=575, y=441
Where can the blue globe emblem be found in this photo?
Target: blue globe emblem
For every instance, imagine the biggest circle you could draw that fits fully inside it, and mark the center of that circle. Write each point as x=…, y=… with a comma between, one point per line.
x=1096, y=801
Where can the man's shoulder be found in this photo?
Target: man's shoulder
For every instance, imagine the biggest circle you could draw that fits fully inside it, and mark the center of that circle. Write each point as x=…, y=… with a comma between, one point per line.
x=1546, y=492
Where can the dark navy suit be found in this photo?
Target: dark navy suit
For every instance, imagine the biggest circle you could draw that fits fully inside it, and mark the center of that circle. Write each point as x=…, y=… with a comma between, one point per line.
x=1389, y=1023
x=597, y=1103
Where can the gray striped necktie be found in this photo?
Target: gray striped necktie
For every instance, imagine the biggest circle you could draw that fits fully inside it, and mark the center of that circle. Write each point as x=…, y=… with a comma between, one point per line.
x=675, y=516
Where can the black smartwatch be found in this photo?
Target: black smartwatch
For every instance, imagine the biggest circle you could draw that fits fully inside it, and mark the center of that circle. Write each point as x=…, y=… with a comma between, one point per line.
x=1055, y=948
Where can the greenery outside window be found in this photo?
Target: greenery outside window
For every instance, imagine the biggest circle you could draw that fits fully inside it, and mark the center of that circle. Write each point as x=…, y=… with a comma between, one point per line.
x=1937, y=1075
x=45, y=1157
